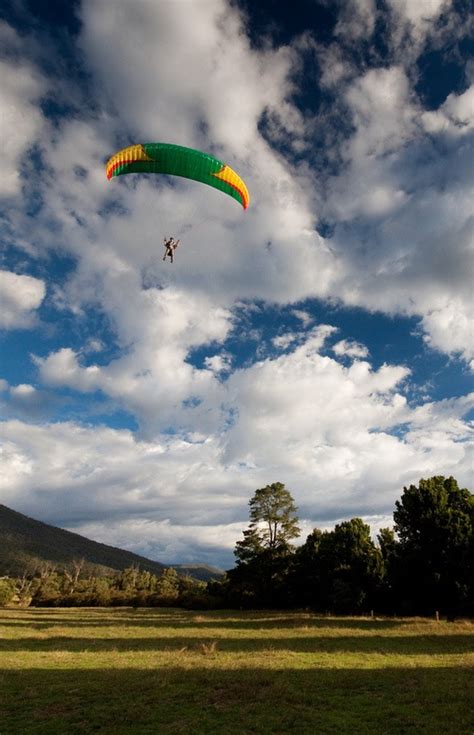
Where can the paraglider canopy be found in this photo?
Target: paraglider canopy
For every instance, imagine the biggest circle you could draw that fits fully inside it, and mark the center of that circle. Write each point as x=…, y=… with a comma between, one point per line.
x=176, y=160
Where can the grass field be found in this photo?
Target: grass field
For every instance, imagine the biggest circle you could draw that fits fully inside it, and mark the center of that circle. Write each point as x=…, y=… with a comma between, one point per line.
x=232, y=673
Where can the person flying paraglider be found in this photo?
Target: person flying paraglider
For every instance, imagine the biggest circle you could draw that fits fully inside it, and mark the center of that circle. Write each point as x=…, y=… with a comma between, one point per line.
x=178, y=160
x=170, y=246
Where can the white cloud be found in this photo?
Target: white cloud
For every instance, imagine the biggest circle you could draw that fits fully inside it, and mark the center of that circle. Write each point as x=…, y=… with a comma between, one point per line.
x=62, y=368
x=303, y=316
x=350, y=348
x=93, y=345
x=201, y=69
x=413, y=23
x=374, y=265
x=451, y=328
x=106, y=479
x=182, y=500
x=27, y=402
x=21, y=121
x=456, y=114
x=23, y=391
x=383, y=116
x=152, y=378
x=461, y=107
x=322, y=403
x=284, y=340
x=420, y=16
x=20, y=296
x=404, y=229
x=357, y=19
x=219, y=363
x=167, y=542
x=223, y=252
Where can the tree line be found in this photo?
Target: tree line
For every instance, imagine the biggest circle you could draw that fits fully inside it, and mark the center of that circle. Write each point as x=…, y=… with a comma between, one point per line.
x=424, y=565
x=70, y=586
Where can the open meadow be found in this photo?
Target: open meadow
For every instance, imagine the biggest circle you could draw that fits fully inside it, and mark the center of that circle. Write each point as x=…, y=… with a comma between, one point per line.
x=170, y=671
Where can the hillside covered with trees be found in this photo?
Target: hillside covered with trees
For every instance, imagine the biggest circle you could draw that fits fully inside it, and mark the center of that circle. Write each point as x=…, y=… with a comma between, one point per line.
x=28, y=546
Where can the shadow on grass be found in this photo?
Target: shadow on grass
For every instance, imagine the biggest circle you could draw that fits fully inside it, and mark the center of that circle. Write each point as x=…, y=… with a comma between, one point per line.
x=159, y=617
x=207, y=701
x=400, y=645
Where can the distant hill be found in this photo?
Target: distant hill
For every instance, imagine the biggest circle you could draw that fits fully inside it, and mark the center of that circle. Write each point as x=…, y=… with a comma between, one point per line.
x=199, y=571
x=26, y=544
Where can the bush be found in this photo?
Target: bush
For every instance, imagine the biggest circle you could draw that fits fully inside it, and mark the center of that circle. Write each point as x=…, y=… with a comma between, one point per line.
x=7, y=591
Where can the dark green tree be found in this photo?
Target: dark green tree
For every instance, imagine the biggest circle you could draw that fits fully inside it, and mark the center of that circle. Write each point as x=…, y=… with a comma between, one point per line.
x=305, y=579
x=435, y=525
x=192, y=593
x=387, y=543
x=350, y=567
x=339, y=570
x=387, y=599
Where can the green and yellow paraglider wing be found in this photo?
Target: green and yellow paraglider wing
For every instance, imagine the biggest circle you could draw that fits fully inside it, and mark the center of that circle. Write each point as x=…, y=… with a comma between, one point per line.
x=176, y=160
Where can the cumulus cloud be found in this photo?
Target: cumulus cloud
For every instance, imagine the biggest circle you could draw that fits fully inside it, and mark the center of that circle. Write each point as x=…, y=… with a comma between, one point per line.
x=416, y=20
x=284, y=340
x=201, y=69
x=167, y=542
x=318, y=397
x=219, y=363
x=350, y=348
x=357, y=19
x=20, y=296
x=303, y=316
x=386, y=202
x=455, y=115
x=183, y=499
x=23, y=391
x=451, y=328
x=26, y=402
x=382, y=112
x=98, y=478
x=152, y=377
x=407, y=236
x=21, y=120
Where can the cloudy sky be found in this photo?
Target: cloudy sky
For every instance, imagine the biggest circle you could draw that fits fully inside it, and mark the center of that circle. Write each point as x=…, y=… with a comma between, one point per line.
x=322, y=338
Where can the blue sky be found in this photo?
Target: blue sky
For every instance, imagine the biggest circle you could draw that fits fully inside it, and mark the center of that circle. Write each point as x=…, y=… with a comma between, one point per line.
x=323, y=338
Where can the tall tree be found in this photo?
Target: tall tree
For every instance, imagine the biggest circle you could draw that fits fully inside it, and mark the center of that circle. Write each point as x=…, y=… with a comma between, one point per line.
x=435, y=525
x=264, y=554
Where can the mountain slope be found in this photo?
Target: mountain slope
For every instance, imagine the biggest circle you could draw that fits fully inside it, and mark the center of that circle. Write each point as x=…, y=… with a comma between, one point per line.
x=26, y=544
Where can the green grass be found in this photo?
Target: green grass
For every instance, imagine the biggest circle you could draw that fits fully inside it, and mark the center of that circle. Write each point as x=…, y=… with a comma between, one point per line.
x=232, y=673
